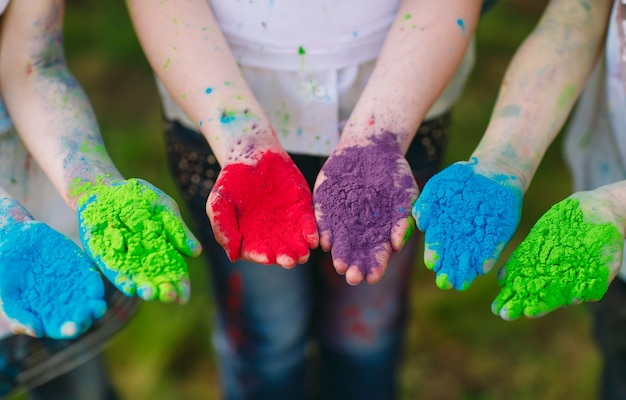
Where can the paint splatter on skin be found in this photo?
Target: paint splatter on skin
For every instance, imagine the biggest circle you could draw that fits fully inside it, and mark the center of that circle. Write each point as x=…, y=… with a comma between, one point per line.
x=585, y=5
x=468, y=216
x=461, y=24
x=48, y=285
x=406, y=17
x=134, y=233
x=569, y=256
x=361, y=195
x=263, y=212
x=512, y=110
x=235, y=117
x=208, y=90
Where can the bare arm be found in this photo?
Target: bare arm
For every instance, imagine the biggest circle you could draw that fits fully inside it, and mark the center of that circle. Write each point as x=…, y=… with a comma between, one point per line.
x=48, y=107
x=190, y=55
x=542, y=84
x=423, y=49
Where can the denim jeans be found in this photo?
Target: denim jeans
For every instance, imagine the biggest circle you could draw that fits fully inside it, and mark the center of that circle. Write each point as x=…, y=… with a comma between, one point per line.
x=609, y=331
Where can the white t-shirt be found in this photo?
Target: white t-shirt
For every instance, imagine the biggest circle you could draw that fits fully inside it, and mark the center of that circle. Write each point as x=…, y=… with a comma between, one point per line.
x=308, y=62
x=595, y=143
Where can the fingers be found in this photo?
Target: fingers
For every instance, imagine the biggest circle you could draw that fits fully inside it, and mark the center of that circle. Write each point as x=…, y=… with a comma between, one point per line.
x=402, y=232
x=358, y=265
x=179, y=234
x=223, y=217
x=28, y=324
x=98, y=308
x=420, y=209
x=309, y=230
x=121, y=281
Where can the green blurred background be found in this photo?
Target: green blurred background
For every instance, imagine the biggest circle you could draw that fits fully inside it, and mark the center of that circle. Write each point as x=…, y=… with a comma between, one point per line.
x=456, y=348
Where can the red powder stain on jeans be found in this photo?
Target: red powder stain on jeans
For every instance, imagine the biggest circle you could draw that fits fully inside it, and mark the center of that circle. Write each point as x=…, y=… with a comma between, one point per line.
x=360, y=330
x=234, y=304
x=265, y=208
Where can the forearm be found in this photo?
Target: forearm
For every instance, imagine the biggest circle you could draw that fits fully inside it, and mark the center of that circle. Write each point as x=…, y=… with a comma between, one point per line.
x=189, y=54
x=542, y=84
x=423, y=49
x=48, y=107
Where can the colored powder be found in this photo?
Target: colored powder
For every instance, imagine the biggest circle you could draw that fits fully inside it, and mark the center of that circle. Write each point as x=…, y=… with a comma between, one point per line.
x=564, y=258
x=47, y=283
x=131, y=235
x=364, y=195
x=265, y=208
x=468, y=219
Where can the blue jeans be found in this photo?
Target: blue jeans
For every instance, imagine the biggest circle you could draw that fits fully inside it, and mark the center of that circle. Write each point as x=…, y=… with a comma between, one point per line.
x=609, y=331
x=303, y=332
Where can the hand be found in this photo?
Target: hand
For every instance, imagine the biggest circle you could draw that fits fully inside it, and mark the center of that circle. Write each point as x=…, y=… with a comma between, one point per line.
x=363, y=197
x=263, y=212
x=570, y=256
x=48, y=285
x=135, y=234
x=469, y=214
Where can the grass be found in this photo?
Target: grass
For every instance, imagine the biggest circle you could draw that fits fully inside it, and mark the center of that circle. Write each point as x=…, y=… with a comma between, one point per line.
x=456, y=349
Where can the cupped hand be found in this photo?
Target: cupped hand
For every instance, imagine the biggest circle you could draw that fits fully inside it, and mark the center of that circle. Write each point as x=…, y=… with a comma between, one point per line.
x=262, y=212
x=362, y=198
x=48, y=285
x=469, y=213
x=135, y=234
x=570, y=256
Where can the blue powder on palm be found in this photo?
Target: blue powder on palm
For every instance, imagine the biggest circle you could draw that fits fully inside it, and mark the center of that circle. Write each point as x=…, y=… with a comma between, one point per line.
x=468, y=219
x=47, y=283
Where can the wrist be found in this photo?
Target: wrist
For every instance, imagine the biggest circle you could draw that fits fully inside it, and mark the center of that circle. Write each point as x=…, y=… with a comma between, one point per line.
x=499, y=162
x=11, y=212
x=362, y=127
x=237, y=138
x=78, y=186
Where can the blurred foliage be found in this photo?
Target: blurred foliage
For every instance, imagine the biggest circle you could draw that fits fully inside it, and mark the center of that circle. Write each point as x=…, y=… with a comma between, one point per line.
x=456, y=349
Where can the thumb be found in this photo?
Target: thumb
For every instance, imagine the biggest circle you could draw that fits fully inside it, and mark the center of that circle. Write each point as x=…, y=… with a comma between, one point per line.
x=179, y=234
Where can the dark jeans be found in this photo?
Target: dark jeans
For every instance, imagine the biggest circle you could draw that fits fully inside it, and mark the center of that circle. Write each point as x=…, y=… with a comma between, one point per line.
x=609, y=330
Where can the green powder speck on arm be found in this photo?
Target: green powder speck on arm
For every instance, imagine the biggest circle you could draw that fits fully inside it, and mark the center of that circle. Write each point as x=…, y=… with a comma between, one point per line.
x=128, y=232
x=565, y=258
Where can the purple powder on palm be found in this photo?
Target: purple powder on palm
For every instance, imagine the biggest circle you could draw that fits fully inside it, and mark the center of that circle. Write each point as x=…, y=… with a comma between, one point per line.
x=367, y=190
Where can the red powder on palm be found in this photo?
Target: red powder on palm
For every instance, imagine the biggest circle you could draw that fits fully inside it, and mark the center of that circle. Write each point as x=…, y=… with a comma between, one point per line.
x=265, y=208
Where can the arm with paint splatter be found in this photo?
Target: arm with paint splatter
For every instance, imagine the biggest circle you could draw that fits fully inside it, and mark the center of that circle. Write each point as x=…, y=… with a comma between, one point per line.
x=48, y=285
x=364, y=193
x=471, y=210
x=125, y=226
x=260, y=206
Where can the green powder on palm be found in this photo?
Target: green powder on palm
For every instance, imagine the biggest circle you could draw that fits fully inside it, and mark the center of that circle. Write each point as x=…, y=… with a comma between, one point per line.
x=565, y=258
x=130, y=233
